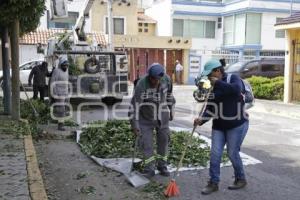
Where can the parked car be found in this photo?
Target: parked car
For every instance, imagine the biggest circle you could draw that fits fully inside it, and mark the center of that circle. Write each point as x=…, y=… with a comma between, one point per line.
x=25, y=70
x=265, y=67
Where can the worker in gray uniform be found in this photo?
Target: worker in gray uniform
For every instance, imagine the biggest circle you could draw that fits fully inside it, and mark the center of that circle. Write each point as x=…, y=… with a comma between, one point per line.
x=152, y=109
x=59, y=91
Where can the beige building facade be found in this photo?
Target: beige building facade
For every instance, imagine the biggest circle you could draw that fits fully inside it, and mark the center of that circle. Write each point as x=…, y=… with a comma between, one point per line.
x=136, y=33
x=292, y=58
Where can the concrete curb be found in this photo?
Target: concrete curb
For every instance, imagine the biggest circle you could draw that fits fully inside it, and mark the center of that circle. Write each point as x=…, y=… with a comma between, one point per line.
x=35, y=180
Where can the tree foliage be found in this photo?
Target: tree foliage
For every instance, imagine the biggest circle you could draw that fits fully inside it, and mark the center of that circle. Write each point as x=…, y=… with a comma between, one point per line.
x=28, y=12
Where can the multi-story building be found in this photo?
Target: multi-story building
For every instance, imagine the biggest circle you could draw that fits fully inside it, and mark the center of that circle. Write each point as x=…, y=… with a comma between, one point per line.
x=243, y=27
x=136, y=32
x=133, y=31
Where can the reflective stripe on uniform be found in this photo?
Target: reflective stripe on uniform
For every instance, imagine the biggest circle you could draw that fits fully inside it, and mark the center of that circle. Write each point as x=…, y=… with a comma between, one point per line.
x=149, y=160
x=160, y=157
x=165, y=158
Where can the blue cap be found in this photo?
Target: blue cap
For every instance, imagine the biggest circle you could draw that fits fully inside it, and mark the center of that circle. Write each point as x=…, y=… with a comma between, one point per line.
x=156, y=70
x=210, y=65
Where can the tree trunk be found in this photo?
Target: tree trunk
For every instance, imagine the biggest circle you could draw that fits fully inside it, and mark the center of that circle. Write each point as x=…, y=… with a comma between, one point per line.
x=14, y=40
x=6, y=72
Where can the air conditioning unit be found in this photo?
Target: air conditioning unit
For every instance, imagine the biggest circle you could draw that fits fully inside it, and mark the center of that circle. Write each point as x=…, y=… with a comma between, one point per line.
x=59, y=10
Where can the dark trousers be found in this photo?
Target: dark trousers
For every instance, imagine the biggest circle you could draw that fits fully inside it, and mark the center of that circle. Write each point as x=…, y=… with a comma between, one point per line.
x=37, y=90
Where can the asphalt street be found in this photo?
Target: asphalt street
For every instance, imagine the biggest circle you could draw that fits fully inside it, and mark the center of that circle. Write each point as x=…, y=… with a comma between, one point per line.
x=272, y=139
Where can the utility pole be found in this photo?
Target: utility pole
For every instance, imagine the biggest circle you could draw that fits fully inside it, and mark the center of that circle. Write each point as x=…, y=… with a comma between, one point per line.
x=110, y=23
x=6, y=71
x=14, y=40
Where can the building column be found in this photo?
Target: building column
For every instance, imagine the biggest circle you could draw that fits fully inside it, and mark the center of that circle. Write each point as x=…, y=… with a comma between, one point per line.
x=165, y=59
x=257, y=54
x=156, y=55
x=288, y=70
x=133, y=65
x=241, y=54
x=186, y=65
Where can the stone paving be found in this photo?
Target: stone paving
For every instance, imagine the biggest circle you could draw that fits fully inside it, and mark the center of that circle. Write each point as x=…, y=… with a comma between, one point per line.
x=13, y=173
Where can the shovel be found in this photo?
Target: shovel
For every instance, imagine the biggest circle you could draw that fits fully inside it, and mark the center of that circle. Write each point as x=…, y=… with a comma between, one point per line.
x=135, y=178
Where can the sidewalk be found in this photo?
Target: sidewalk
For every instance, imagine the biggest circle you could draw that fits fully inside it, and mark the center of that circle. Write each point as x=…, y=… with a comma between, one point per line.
x=13, y=173
x=277, y=108
x=20, y=177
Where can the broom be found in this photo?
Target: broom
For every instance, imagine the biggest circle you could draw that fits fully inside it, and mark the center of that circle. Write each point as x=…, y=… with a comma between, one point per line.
x=172, y=189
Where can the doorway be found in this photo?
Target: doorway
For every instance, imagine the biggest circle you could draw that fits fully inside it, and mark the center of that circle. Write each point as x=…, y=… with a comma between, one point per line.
x=172, y=56
x=296, y=72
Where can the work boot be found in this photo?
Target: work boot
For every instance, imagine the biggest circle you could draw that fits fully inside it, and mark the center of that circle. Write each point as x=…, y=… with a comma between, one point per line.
x=238, y=184
x=148, y=173
x=163, y=171
x=60, y=127
x=210, y=188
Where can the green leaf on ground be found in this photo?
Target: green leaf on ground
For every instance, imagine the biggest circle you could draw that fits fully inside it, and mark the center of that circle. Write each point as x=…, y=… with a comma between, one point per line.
x=2, y=173
x=88, y=190
x=82, y=175
x=112, y=139
x=155, y=190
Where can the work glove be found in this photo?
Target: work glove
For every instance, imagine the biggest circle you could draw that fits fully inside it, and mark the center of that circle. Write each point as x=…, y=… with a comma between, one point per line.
x=198, y=122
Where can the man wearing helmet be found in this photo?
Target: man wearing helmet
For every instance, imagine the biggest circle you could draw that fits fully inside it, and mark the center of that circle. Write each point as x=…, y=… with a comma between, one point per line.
x=230, y=124
x=152, y=109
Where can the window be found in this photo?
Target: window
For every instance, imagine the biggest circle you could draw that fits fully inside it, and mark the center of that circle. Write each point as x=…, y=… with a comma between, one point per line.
x=178, y=27
x=228, y=30
x=228, y=1
x=279, y=33
x=242, y=29
x=194, y=28
x=270, y=68
x=210, y=29
x=61, y=25
x=253, y=28
x=140, y=30
x=251, y=69
x=27, y=66
x=119, y=27
x=146, y=30
x=140, y=24
x=68, y=23
x=146, y=24
x=252, y=66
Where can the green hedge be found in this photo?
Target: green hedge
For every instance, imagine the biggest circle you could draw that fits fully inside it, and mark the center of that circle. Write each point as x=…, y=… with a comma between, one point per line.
x=267, y=88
